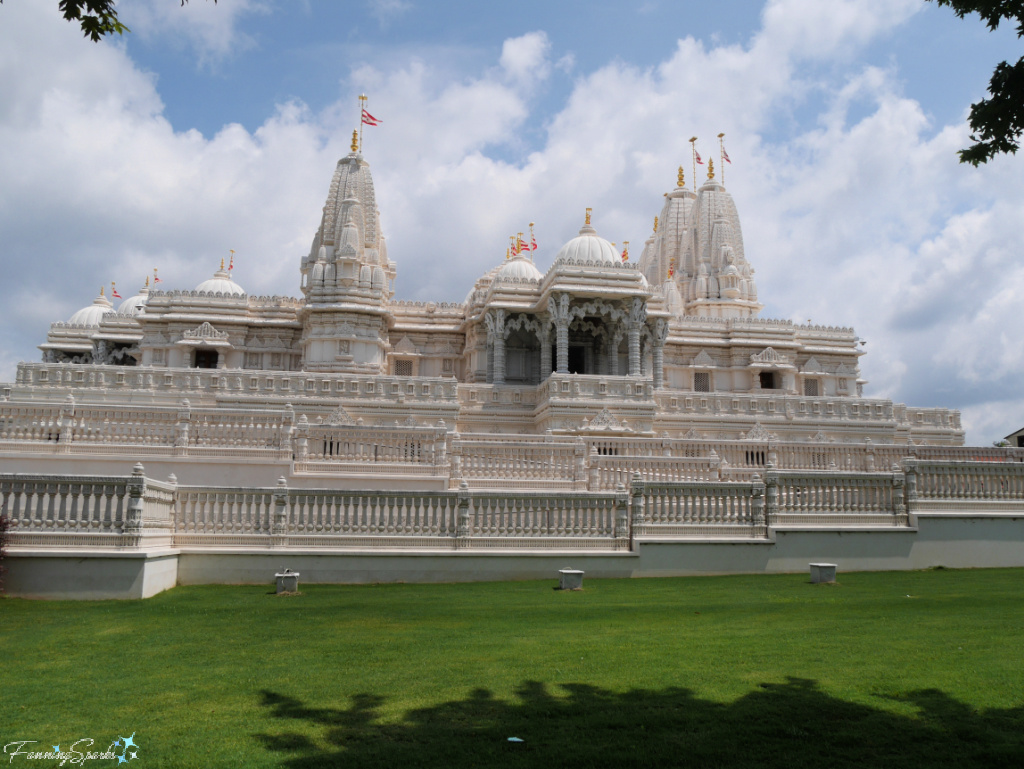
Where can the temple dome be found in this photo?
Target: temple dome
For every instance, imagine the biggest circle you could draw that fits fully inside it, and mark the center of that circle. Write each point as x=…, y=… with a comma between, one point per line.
x=134, y=305
x=93, y=313
x=588, y=246
x=221, y=283
x=519, y=268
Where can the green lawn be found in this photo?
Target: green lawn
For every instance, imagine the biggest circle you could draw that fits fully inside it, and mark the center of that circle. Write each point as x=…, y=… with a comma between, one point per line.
x=900, y=669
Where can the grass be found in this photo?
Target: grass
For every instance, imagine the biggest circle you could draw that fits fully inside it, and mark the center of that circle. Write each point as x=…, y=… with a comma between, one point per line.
x=901, y=669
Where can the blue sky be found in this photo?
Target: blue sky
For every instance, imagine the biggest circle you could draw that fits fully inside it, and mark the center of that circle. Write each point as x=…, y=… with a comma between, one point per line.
x=212, y=127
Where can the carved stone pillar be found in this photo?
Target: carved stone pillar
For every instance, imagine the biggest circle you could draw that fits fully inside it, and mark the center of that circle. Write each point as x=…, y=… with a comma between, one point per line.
x=637, y=316
x=658, y=352
x=545, y=347
x=559, y=309
x=613, y=352
x=497, y=329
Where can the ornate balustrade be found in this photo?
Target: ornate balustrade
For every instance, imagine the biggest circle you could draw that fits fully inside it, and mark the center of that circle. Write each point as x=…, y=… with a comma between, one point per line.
x=296, y=386
x=801, y=498
x=518, y=464
x=607, y=472
x=939, y=485
x=134, y=512
x=706, y=510
x=96, y=511
x=530, y=521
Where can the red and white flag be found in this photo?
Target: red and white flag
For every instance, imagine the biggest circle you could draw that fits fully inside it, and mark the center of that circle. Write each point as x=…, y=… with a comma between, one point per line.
x=369, y=119
x=113, y=290
x=231, y=263
x=725, y=156
x=696, y=156
x=156, y=279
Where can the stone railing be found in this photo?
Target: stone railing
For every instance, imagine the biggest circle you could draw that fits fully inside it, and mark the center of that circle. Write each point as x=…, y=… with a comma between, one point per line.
x=195, y=383
x=518, y=464
x=88, y=511
x=524, y=521
x=449, y=520
x=811, y=498
x=146, y=431
x=607, y=472
x=958, y=486
x=359, y=450
x=705, y=510
x=136, y=512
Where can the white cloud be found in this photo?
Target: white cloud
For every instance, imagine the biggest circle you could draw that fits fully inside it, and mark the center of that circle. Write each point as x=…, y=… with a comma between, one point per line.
x=386, y=11
x=210, y=28
x=859, y=216
x=525, y=58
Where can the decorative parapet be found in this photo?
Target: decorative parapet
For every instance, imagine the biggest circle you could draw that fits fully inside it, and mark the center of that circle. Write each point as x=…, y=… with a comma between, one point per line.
x=264, y=385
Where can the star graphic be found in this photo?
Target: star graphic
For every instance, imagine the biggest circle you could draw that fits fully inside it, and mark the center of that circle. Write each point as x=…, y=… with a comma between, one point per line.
x=130, y=741
x=122, y=760
x=56, y=748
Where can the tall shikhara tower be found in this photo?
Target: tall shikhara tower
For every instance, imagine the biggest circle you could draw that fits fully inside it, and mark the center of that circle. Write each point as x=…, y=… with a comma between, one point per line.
x=347, y=278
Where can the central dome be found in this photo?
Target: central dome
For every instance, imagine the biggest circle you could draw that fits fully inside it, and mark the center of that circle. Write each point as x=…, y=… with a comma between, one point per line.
x=588, y=246
x=221, y=283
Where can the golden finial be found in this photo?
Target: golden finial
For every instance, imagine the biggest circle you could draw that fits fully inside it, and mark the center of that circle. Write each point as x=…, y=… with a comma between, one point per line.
x=101, y=290
x=680, y=179
x=655, y=223
x=589, y=211
x=147, y=281
x=222, y=262
x=508, y=252
x=711, y=168
x=355, y=141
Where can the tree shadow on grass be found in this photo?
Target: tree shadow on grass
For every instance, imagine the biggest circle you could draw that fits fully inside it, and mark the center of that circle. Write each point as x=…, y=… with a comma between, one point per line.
x=787, y=725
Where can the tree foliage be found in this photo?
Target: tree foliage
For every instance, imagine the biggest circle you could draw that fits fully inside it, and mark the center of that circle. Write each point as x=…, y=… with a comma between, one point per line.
x=998, y=121
x=97, y=18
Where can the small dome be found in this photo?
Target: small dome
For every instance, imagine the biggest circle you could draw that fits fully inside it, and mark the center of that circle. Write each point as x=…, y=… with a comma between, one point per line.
x=221, y=283
x=91, y=315
x=589, y=247
x=134, y=305
x=519, y=268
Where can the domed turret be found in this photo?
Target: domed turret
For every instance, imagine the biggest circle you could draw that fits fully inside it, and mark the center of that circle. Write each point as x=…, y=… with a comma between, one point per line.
x=519, y=268
x=134, y=305
x=588, y=246
x=93, y=313
x=221, y=283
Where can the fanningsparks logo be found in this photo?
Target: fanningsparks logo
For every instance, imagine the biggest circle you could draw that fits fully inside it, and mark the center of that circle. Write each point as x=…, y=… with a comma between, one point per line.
x=123, y=750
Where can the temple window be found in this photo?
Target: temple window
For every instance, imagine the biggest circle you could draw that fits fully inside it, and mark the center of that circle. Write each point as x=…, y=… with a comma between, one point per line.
x=403, y=368
x=811, y=388
x=768, y=380
x=206, y=359
x=702, y=382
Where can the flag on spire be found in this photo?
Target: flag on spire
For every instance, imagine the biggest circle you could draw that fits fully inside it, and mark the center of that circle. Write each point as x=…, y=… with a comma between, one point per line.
x=231, y=264
x=369, y=119
x=725, y=156
x=696, y=156
x=113, y=290
x=625, y=250
x=156, y=279
x=533, y=239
